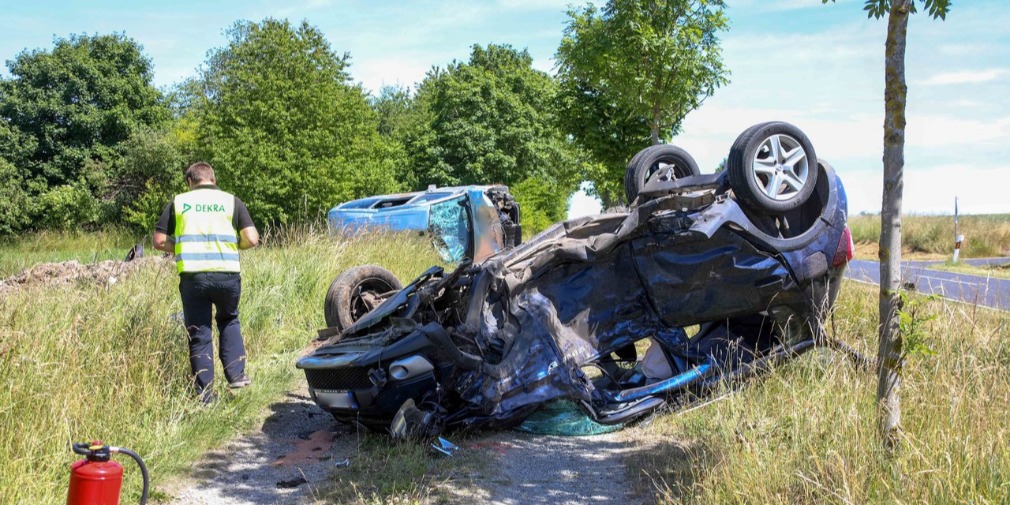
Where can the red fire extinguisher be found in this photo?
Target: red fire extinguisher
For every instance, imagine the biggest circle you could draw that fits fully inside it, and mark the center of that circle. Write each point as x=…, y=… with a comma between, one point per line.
x=96, y=479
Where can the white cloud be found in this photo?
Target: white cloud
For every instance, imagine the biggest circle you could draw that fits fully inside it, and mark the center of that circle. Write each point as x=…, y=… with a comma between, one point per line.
x=928, y=131
x=581, y=204
x=966, y=77
x=980, y=189
x=401, y=70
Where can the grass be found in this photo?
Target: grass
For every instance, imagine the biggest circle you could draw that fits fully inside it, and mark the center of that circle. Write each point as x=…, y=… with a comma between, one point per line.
x=806, y=433
x=932, y=237
x=52, y=246
x=111, y=362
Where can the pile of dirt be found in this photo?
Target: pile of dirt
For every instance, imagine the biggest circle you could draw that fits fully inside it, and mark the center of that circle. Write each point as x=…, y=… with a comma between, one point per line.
x=104, y=273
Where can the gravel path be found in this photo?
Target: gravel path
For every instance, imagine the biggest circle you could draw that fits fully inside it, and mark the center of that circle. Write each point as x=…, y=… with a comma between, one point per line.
x=546, y=469
x=299, y=447
x=282, y=462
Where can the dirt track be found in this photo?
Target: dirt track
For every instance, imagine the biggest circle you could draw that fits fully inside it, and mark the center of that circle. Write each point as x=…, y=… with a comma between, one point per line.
x=300, y=449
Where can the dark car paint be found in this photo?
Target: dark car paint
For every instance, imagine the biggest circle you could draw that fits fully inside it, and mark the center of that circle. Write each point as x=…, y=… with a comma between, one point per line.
x=508, y=335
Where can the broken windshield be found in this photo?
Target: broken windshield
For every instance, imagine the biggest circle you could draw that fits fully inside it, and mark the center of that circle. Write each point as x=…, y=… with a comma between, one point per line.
x=450, y=228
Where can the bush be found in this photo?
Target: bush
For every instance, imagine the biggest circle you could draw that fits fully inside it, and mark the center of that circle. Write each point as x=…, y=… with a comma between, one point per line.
x=16, y=203
x=68, y=206
x=149, y=173
x=542, y=203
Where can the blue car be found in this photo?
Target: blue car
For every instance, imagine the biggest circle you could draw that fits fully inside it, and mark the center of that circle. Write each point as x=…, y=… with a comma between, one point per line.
x=466, y=224
x=452, y=216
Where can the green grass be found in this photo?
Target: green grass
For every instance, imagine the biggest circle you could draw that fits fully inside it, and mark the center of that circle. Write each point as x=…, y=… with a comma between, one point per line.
x=111, y=363
x=806, y=433
x=17, y=254
x=985, y=235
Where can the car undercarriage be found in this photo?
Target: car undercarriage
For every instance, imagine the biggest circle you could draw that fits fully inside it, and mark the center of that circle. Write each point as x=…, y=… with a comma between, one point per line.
x=719, y=287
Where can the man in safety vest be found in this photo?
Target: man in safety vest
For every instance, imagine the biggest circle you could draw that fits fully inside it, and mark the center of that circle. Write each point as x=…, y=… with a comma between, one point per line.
x=205, y=228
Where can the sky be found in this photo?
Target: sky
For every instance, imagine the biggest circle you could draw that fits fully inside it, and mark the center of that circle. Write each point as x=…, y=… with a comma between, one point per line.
x=820, y=67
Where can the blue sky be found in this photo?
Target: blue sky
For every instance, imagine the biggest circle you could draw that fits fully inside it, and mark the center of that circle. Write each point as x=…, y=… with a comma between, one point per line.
x=817, y=66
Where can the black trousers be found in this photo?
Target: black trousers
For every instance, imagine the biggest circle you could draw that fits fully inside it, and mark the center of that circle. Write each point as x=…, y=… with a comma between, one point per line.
x=201, y=291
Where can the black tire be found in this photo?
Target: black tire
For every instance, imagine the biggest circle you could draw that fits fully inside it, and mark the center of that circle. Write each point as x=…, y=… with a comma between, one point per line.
x=352, y=293
x=751, y=158
x=627, y=173
x=646, y=163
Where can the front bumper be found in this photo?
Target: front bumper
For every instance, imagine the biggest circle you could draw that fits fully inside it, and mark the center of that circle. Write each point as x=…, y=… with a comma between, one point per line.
x=370, y=394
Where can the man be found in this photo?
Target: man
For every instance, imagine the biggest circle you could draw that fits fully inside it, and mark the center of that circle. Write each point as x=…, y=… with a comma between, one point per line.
x=205, y=228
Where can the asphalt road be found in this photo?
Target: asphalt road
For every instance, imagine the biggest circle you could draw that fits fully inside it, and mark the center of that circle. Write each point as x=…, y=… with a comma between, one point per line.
x=974, y=289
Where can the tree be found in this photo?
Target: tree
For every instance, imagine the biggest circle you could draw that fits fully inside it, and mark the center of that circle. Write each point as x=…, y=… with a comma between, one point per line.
x=16, y=203
x=890, y=352
x=492, y=120
x=632, y=72
x=283, y=127
x=76, y=104
x=393, y=108
x=148, y=174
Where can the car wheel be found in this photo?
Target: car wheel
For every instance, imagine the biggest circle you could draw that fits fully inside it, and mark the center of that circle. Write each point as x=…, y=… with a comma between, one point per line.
x=357, y=291
x=772, y=167
x=663, y=161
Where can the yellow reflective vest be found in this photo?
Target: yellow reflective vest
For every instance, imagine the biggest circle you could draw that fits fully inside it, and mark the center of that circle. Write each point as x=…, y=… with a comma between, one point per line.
x=205, y=238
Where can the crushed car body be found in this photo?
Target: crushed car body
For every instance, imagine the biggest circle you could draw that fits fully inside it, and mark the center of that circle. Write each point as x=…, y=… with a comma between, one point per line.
x=722, y=281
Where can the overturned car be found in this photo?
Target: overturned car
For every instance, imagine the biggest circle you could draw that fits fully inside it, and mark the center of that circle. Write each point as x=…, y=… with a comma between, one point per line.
x=723, y=273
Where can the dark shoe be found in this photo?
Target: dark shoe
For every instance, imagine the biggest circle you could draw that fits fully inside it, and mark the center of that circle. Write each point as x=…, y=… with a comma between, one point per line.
x=208, y=397
x=241, y=382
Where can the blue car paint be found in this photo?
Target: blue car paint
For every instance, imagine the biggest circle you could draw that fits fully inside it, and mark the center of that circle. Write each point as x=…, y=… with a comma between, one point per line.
x=362, y=215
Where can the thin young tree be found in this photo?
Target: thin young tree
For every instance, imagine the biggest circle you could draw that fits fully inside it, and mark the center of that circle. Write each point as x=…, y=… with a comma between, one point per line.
x=630, y=72
x=890, y=352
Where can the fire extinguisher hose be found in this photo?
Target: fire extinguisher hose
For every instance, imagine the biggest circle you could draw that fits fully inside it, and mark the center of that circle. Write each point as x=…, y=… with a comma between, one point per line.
x=143, y=470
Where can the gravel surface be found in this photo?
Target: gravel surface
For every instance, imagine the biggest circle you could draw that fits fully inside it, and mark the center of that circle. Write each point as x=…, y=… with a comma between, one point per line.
x=299, y=447
x=560, y=470
x=283, y=462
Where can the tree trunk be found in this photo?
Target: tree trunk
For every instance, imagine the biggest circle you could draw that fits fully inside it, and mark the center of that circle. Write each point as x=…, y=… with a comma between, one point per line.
x=889, y=355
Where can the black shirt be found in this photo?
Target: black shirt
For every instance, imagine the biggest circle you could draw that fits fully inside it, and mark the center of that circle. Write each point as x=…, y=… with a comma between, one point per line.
x=240, y=218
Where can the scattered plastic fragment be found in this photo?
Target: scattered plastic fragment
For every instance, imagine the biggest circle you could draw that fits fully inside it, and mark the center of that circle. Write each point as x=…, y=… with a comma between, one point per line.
x=444, y=446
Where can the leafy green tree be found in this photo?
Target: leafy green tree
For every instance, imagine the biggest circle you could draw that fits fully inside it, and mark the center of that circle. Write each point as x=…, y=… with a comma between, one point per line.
x=632, y=72
x=395, y=112
x=17, y=206
x=393, y=108
x=148, y=174
x=491, y=120
x=76, y=104
x=283, y=127
x=890, y=353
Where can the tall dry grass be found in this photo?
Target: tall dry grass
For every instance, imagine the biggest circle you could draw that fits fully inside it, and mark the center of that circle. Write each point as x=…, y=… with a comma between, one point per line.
x=985, y=235
x=807, y=433
x=110, y=362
